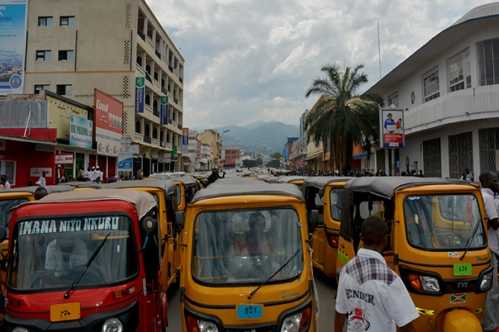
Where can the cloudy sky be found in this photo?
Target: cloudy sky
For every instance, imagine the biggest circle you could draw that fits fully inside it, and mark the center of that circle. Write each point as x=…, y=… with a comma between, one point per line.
x=253, y=60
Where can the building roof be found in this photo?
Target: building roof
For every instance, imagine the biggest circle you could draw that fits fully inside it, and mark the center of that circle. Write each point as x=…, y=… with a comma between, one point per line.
x=486, y=15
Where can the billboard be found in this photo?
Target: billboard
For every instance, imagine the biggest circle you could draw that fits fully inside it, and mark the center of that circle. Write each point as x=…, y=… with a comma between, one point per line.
x=80, y=132
x=13, y=17
x=108, y=124
x=392, y=128
x=125, y=161
x=164, y=111
x=185, y=140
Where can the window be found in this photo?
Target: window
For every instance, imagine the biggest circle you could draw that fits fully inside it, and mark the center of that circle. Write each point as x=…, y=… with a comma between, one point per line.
x=458, y=71
x=394, y=100
x=66, y=55
x=9, y=169
x=43, y=55
x=64, y=89
x=45, y=21
x=488, y=62
x=40, y=87
x=431, y=86
x=137, y=127
x=67, y=21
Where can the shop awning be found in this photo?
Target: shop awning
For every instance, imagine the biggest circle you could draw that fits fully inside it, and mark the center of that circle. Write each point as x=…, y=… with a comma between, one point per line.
x=27, y=140
x=314, y=156
x=362, y=155
x=74, y=148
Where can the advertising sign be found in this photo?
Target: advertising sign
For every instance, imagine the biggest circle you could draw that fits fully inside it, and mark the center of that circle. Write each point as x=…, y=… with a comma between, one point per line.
x=140, y=91
x=185, y=140
x=13, y=17
x=37, y=172
x=164, y=111
x=198, y=148
x=80, y=132
x=125, y=161
x=64, y=159
x=392, y=128
x=108, y=124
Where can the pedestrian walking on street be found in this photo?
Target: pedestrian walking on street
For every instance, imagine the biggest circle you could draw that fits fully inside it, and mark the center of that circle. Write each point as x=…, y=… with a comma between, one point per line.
x=42, y=181
x=488, y=180
x=370, y=294
x=5, y=182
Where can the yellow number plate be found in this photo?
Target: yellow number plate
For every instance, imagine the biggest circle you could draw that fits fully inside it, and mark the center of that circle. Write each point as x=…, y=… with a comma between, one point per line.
x=66, y=311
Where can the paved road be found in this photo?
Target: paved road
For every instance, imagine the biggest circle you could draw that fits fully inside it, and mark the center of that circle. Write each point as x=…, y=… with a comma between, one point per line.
x=325, y=287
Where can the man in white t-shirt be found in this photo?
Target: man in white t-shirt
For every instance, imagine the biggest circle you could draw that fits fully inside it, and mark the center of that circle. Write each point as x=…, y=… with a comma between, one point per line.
x=488, y=180
x=370, y=296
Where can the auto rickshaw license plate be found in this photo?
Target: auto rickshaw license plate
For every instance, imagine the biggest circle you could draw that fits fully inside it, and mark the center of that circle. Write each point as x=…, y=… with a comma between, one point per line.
x=249, y=311
x=462, y=269
x=63, y=312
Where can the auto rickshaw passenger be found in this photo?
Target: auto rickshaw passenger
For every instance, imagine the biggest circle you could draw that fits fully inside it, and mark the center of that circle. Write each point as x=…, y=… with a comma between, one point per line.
x=64, y=254
x=255, y=238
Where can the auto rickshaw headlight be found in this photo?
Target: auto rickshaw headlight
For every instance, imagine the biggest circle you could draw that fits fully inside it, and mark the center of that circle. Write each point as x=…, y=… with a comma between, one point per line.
x=20, y=329
x=486, y=281
x=424, y=283
x=112, y=325
x=297, y=322
x=199, y=325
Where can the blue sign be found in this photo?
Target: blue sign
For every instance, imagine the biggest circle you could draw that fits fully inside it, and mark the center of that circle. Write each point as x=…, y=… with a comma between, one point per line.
x=164, y=111
x=251, y=311
x=125, y=161
x=80, y=132
x=140, y=91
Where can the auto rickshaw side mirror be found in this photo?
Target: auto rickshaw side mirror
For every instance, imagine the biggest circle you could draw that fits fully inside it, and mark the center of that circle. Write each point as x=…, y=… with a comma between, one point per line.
x=3, y=233
x=313, y=220
x=149, y=224
x=179, y=221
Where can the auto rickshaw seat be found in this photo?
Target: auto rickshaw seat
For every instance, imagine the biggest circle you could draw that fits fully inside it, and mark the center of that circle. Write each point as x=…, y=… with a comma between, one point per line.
x=414, y=235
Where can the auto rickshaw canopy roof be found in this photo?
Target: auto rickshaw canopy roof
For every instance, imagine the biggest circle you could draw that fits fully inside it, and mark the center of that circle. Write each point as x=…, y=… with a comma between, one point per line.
x=142, y=201
x=288, y=179
x=321, y=181
x=31, y=189
x=82, y=184
x=187, y=181
x=167, y=185
x=244, y=186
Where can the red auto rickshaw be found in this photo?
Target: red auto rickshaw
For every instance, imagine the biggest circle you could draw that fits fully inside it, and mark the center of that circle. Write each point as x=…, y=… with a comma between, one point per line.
x=85, y=261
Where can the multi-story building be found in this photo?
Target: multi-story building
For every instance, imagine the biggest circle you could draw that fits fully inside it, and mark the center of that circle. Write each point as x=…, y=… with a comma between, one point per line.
x=211, y=138
x=449, y=93
x=121, y=49
x=232, y=157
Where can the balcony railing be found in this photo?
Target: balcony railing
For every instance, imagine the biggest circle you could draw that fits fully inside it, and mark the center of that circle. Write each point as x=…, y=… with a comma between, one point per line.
x=157, y=54
x=141, y=34
x=181, y=79
x=175, y=100
x=171, y=68
x=155, y=141
x=162, y=144
x=164, y=90
x=180, y=103
x=179, y=126
x=170, y=94
x=175, y=123
x=150, y=41
x=170, y=121
x=155, y=112
x=139, y=67
x=147, y=139
x=157, y=84
x=168, y=146
x=148, y=77
x=139, y=136
x=149, y=108
x=165, y=59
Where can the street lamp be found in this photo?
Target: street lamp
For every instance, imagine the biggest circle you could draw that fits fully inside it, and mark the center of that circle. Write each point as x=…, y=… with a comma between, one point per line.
x=223, y=151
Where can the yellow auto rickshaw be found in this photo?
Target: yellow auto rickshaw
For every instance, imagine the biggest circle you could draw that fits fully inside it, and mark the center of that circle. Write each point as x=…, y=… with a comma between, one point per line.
x=164, y=192
x=246, y=260
x=437, y=244
x=323, y=193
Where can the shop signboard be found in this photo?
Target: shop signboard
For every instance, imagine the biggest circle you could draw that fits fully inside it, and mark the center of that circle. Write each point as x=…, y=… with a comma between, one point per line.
x=80, y=132
x=108, y=124
x=164, y=110
x=392, y=128
x=13, y=18
x=64, y=159
x=140, y=91
x=36, y=172
x=125, y=161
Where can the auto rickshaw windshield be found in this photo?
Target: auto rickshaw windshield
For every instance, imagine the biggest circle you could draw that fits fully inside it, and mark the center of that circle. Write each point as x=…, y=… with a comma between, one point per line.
x=246, y=246
x=335, y=199
x=443, y=222
x=51, y=253
x=5, y=206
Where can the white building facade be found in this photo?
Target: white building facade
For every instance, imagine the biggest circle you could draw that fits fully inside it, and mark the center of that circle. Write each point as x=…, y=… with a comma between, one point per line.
x=449, y=91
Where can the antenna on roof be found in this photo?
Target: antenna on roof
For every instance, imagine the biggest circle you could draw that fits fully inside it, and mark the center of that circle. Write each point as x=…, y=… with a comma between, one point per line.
x=379, y=52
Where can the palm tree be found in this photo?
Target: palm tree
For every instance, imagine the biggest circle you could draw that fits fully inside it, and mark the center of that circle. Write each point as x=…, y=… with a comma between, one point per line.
x=341, y=117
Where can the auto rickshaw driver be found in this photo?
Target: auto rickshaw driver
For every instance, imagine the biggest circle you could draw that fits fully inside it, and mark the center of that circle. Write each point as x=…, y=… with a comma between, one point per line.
x=64, y=254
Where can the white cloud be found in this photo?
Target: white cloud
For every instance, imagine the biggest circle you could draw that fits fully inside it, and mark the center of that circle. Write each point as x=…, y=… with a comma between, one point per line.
x=252, y=60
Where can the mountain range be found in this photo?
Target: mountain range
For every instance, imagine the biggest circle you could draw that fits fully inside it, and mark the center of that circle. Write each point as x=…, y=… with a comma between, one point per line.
x=263, y=137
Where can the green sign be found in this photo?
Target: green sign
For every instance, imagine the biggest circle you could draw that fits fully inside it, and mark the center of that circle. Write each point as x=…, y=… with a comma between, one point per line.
x=140, y=82
x=164, y=100
x=174, y=151
x=462, y=269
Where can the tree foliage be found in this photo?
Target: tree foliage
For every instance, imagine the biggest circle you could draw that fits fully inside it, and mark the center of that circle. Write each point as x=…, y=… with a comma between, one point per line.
x=275, y=163
x=276, y=156
x=342, y=117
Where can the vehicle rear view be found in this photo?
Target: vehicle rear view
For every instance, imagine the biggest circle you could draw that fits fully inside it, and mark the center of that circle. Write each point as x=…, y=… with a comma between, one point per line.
x=85, y=261
x=245, y=259
x=437, y=244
